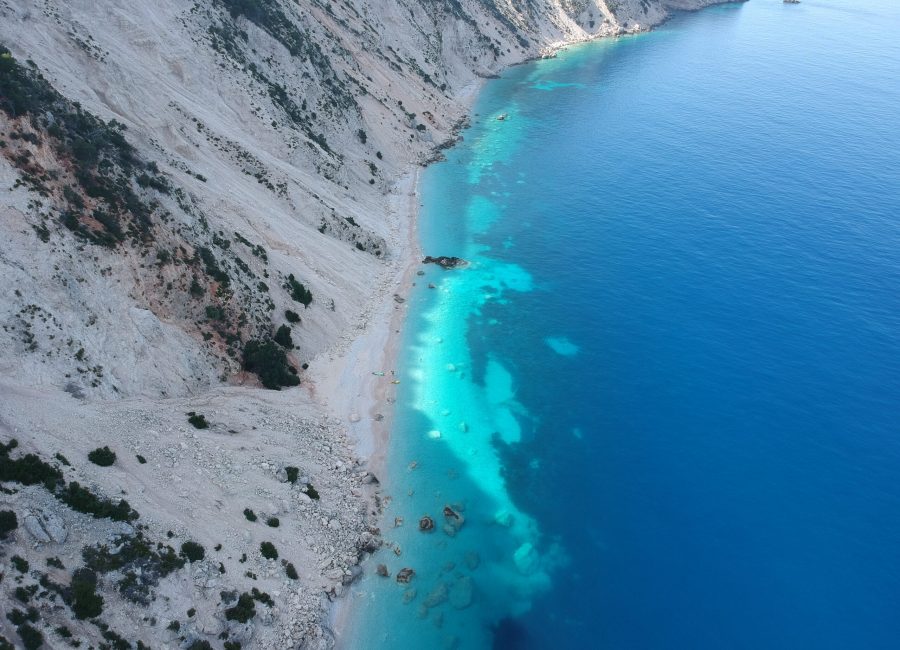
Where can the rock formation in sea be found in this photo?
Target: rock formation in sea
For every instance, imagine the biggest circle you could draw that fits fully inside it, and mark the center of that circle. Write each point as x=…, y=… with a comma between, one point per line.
x=201, y=200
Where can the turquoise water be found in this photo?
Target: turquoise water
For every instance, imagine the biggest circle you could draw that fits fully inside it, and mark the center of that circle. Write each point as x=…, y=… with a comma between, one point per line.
x=665, y=396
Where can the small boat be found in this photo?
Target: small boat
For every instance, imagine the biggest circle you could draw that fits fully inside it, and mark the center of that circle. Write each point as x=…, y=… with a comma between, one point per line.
x=502, y=117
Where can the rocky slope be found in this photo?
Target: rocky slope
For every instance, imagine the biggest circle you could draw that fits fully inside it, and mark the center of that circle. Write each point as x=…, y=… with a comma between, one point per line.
x=199, y=198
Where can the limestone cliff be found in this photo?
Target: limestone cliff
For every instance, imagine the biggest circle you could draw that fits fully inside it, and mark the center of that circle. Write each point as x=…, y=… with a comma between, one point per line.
x=198, y=198
x=262, y=138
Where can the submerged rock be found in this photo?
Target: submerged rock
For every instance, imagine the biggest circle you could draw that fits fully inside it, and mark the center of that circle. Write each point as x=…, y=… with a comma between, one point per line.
x=526, y=558
x=462, y=592
x=382, y=570
x=409, y=595
x=404, y=575
x=446, y=262
x=426, y=524
x=437, y=596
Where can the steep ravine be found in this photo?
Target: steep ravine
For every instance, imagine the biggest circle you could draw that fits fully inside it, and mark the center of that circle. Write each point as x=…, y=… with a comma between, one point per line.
x=200, y=198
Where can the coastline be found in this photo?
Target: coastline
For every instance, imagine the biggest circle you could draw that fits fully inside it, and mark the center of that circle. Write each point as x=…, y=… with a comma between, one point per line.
x=343, y=376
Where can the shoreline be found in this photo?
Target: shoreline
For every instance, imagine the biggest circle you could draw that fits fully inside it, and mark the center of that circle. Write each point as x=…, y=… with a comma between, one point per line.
x=363, y=402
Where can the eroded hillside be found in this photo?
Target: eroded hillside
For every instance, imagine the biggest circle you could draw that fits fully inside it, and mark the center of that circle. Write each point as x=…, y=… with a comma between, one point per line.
x=197, y=200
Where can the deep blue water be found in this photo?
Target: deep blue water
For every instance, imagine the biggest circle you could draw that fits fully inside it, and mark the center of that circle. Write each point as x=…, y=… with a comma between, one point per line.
x=672, y=412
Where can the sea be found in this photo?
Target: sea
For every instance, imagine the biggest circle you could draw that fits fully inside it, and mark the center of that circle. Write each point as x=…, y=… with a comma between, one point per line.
x=660, y=407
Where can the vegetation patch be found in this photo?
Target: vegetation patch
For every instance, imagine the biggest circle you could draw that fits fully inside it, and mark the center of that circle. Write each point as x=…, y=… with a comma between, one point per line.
x=141, y=563
x=298, y=292
x=243, y=610
x=268, y=361
x=105, y=170
x=268, y=550
x=283, y=337
x=8, y=523
x=311, y=492
x=83, y=500
x=85, y=601
x=102, y=456
x=198, y=420
x=193, y=551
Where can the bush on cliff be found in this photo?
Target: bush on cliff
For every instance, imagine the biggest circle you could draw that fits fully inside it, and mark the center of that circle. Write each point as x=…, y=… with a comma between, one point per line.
x=102, y=456
x=269, y=362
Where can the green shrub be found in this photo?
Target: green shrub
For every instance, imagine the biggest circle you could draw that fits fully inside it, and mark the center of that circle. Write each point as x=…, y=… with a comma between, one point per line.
x=102, y=456
x=24, y=594
x=193, y=551
x=298, y=292
x=86, y=603
x=291, y=316
x=32, y=639
x=55, y=562
x=27, y=470
x=214, y=312
x=290, y=571
x=243, y=610
x=200, y=644
x=292, y=473
x=268, y=551
x=198, y=420
x=141, y=459
x=283, y=337
x=269, y=362
x=20, y=564
x=311, y=491
x=8, y=523
x=82, y=500
x=262, y=597
x=249, y=514
x=273, y=522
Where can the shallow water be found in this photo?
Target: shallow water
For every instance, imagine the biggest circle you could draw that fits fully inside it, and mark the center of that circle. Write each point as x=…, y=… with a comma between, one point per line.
x=665, y=395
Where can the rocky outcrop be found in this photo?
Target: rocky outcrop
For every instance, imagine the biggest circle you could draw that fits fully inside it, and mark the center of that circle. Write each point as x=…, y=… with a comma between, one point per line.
x=446, y=262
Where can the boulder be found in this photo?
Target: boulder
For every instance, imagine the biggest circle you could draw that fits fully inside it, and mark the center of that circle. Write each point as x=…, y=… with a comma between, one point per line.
x=46, y=527
x=446, y=262
x=382, y=570
x=426, y=524
x=404, y=575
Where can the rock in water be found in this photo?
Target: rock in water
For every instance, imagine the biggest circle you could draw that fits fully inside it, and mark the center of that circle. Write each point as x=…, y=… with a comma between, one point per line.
x=404, y=575
x=462, y=592
x=426, y=524
x=526, y=558
x=437, y=596
x=446, y=262
x=382, y=571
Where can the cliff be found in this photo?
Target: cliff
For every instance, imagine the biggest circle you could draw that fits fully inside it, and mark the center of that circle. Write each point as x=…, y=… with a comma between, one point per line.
x=199, y=200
